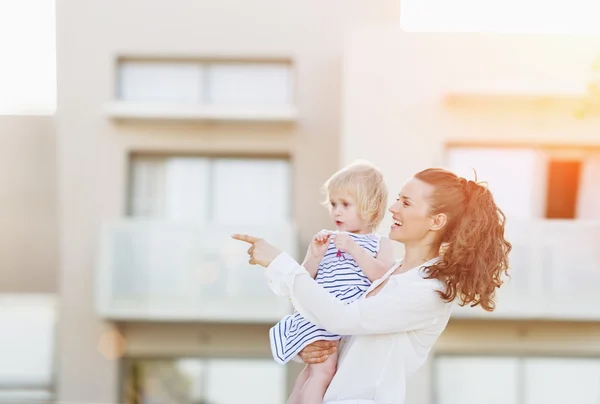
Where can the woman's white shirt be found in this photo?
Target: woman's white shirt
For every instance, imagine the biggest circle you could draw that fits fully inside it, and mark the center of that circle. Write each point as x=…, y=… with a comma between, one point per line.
x=390, y=333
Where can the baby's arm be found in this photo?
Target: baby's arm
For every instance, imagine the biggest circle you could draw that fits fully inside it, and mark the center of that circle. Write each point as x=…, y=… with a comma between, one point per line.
x=316, y=251
x=374, y=267
x=311, y=263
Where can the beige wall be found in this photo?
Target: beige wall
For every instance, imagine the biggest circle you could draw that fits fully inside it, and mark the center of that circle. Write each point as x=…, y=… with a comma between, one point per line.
x=380, y=109
x=519, y=338
x=28, y=218
x=93, y=150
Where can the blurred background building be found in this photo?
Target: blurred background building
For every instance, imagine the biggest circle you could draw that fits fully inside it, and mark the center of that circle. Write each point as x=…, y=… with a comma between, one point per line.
x=137, y=136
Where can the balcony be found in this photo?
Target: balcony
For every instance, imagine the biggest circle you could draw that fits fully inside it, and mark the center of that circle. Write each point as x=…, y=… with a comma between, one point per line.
x=555, y=273
x=127, y=111
x=165, y=271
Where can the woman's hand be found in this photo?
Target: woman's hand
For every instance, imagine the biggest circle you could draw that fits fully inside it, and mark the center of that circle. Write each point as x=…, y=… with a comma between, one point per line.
x=318, y=351
x=261, y=252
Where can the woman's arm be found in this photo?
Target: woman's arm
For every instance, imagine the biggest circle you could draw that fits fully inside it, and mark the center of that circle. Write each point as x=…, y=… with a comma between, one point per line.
x=398, y=307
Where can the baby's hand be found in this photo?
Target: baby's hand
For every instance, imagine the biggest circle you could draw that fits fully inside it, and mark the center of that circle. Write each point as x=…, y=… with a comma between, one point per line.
x=345, y=243
x=319, y=244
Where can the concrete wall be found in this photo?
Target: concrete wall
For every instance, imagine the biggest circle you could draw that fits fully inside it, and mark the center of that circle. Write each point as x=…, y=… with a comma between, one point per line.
x=29, y=214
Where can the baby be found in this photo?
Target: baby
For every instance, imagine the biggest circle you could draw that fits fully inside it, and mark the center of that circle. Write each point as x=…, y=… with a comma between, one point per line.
x=344, y=262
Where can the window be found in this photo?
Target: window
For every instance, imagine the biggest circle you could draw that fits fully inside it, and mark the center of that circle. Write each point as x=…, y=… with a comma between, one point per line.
x=160, y=82
x=534, y=184
x=220, y=190
x=589, y=190
x=563, y=187
x=28, y=58
x=249, y=84
x=182, y=263
x=508, y=172
x=194, y=381
x=561, y=380
x=27, y=337
x=501, y=16
x=516, y=380
x=263, y=84
x=476, y=380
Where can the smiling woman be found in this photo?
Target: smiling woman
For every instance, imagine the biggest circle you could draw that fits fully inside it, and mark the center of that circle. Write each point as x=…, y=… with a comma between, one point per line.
x=453, y=234
x=28, y=57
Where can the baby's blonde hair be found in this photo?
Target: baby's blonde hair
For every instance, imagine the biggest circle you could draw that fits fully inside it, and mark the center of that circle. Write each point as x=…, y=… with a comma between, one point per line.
x=364, y=182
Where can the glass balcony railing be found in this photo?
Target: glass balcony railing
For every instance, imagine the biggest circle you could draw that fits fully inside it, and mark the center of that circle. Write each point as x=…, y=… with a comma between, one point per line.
x=555, y=272
x=156, y=270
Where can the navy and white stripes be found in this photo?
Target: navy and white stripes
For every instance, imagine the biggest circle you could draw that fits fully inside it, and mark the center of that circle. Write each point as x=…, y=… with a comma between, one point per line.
x=340, y=275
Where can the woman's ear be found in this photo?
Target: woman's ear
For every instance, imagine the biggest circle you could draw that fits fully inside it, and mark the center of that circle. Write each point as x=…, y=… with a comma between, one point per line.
x=439, y=221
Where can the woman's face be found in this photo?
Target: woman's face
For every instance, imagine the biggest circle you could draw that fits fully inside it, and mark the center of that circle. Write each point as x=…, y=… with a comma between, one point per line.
x=411, y=212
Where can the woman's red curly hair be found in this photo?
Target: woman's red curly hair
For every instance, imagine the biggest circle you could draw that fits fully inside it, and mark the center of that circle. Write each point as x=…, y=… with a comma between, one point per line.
x=474, y=252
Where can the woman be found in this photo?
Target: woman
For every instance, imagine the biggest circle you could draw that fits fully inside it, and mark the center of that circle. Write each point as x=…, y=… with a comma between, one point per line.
x=453, y=234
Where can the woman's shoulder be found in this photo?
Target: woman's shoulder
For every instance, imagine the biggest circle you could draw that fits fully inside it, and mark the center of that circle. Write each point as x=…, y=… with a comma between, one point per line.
x=414, y=289
x=417, y=276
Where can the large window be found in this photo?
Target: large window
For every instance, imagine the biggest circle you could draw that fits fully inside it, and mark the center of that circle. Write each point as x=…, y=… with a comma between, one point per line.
x=257, y=84
x=28, y=57
x=204, y=381
x=219, y=190
x=516, y=380
x=535, y=184
x=476, y=380
x=175, y=259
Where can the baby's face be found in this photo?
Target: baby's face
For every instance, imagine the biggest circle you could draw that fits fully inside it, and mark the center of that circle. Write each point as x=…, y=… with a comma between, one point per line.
x=345, y=213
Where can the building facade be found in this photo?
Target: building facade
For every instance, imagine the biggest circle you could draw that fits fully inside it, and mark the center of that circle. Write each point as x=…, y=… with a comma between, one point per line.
x=179, y=123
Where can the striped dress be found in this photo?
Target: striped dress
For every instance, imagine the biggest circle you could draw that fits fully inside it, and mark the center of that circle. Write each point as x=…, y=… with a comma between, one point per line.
x=339, y=274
